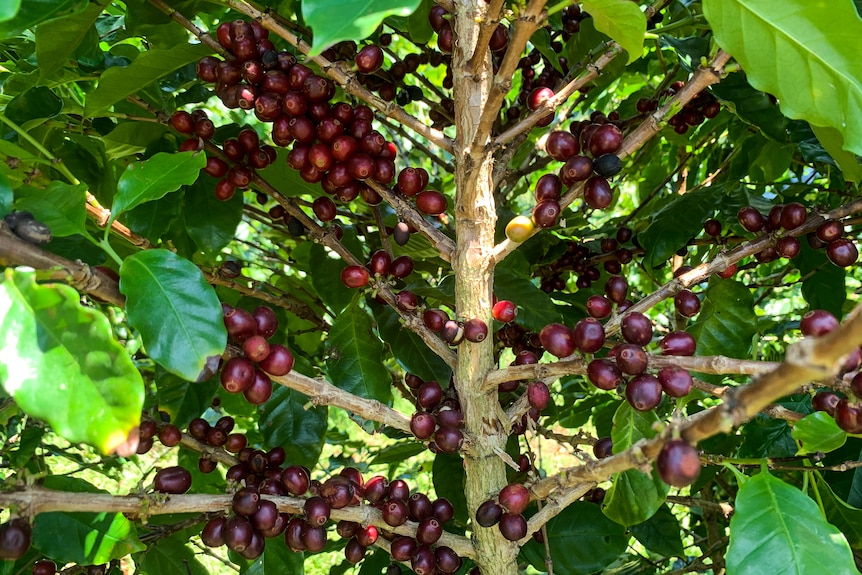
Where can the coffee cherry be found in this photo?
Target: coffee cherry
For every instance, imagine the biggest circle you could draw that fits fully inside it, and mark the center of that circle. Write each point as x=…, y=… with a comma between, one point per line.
x=616, y=288
x=170, y=435
x=488, y=514
x=14, y=539
x=686, y=303
x=513, y=526
x=422, y=425
x=44, y=567
x=712, y=227
x=198, y=428
x=636, y=328
x=395, y=512
x=369, y=59
x=295, y=479
x=817, y=322
x=558, y=340
x=174, y=479
x=355, y=276
x=604, y=374
x=598, y=306
x=597, y=193
x=246, y=502
x=576, y=169
x=265, y=320
x=604, y=447
x=842, y=252
x=678, y=343
x=589, y=335
x=429, y=531
x=240, y=324
x=675, y=381
x=213, y=532
x=475, y=330
x=519, y=229
x=538, y=395
x=435, y=319
x=829, y=231
x=447, y=560
x=504, y=311
x=631, y=359
x=237, y=375
x=256, y=348
x=514, y=498
x=788, y=247
x=607, y=139
x=562, y=145
x=793, y=215
x=452, y=332
x=643, y=392
x=448, y=439
x=401, y=267
x=750, y=219
x=678, y=463
x=608, y=165
x=316, y=511
x=431, y=202
x=279, y=361
x=183, y=122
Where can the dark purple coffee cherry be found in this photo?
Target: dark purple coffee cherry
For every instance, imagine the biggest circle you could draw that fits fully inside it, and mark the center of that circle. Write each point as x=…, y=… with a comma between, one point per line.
x=558, y=340
x=750, y=219
x=644, y=392
x=616, y=288
x=447, y=560
x=423, y=561
x=842, y=252
x=174, y=479
x=213, y=532
x=237, y=375
x=398, y=489
x=829, y=231
x=562, y=145
x=712, y=227
x=678, y=463
x=817, y=322
x=793, y=215
x=376, y=489
x=238, y=532
x=14, y=539
x=422, y=425
x=44, y=567
x=419, y=507
x=442, y=509
x=678, y=343
x=395, y=512
x=475, y=330
x=637, y=328
x=589, y=335
x=488, y=514
x=604, y=447
x=576, y=169
x=788, y=247
x=825, y=401
x=313, y=538
x=686, y=303
x=675, y=381
x=369, y=59
x=597, y=193
x=607, y=139
x=240, y=324
x=513, y=526
x=429, y=531
x=448, y=439
x=631, y=359
x=514, y=498
x=538, y=395
x=604, y=374
x=546, y=213
x=608, y=165
x=316, y=511
x=246, y=502
x=599, y=306
x=295, y=479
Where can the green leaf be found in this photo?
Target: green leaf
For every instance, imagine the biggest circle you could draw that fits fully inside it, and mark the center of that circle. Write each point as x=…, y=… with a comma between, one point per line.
x=210, y=222
x=822, y=283
x=634, y=497
x=62, y=364
x=397, y=452
x=809, y=61
x=753, y=106
x=17, y=16
x=818, y=432
x=581, y=540
x=409, y=350
x=6, y=195
x=170, y=555
x=153, y=178
x=843, y=516
x=62, y=207
x=277, y=559
x=37, y=103
x=183, y=400
x=57, y=40
x=833, y=142
x=153, y=219
x=775, y=524
x=354, y=354
x=622, y=20
x=116, y=83
x=332, y=21
x=177, y=312
x=448, y=477
x=418, y=24
x=87, y=538
x=285, y=421
x=541, y=39
x=326, y=279
x=631, y=425
x=676, y=223
x=661, y=533
x=726, y=323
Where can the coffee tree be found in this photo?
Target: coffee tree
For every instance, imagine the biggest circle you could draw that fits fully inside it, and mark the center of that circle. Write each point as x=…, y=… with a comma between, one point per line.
x=450, y=287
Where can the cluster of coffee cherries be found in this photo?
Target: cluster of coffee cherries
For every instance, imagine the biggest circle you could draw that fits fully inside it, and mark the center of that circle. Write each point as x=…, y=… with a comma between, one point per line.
x=438, y=418
x=582, y=261
x=381, y=264
x=847, y=411
x=506, y=511
x=249, y=373
x=15, y=538
x=702, y=107
x=454, y=331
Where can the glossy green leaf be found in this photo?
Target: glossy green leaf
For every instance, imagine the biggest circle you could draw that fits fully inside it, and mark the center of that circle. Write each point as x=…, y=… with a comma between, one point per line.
x=833, y=142
x=418, y=24
x=448, y=478
x=176, y=311
x=181, y=399
x=285, y=421
x=775, y=524
x=622, y=20
x=801, y=52
x=397, y=453
x=62, y=207
x=17, y=15
x=37, y=103
x=541, y=39
x=818, y=432
x=843, y=516
x=753, y=106
x=631, y=425
x=332, y=22
x=676, y=223
x=116, y=83
x=153, y=219
x=277, y=559
x=87, y=538
x=726, y=323
x=535, y=308
x=409, y=349
x=326, y=279
x=764, y=436
x=170, y=555
x=153, y=178
x=581, y=539
x=210, y=222
x=354, y=357
x=661, y=533
x=6, y=195
x=57, y=40
x=62, y=364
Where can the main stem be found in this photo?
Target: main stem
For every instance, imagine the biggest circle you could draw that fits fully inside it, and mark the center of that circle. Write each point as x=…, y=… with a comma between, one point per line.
x=475, y=220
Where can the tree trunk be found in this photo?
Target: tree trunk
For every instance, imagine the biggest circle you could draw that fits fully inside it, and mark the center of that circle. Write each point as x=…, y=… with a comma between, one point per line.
x=475, y=220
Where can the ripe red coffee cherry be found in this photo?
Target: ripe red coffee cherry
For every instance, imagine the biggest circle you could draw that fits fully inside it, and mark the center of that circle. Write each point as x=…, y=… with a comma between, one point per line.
x=549, y=187
x=637, y=328
x=604, y=374
x=515, y=498
x=240, y=324
x=295, y=479
x=475, y=330
x=237, y=374
x=504, y=311
x=598, y=306
x=170, y=435
x=448, y=439
x=793, y=215
x=279, y=361
x=616, y=288
x=825, y=401
x=420, y=507
x=597, y=193
x=401, y=267
x=607, y=139
x=604, y=447
x=788, y=247
x=817, y=322
x=842, y=252
x=447, y=560
x=678, y=463
x=678, y=343
x=686, y=303
x=631, y=359
x=429, y=394
x=712, y=227
x=256, y=348
x=265, y=320
x=355, y=276
x=435, y=319
x=558, y=339
x=750, y=219
x=513, y=526
x=829, y=231
x=411, y=181
x=369, y=59
x=395, y=512
x=589, y=335
x=44, y=567
x=538, y=395
x=675, y=381
x=431, y=202
x=422, y=425
x=643, y=392
x=174, y=479
x=562, y=145
x=576, y=169
x=183, y=122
